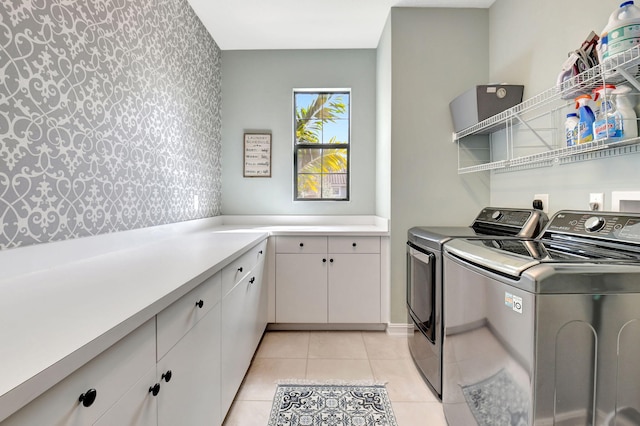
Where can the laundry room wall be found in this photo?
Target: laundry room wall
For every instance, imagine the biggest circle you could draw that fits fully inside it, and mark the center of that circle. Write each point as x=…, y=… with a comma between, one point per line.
x=258, y=97
x=109, y=118
x=427, y=57
x=531, y=52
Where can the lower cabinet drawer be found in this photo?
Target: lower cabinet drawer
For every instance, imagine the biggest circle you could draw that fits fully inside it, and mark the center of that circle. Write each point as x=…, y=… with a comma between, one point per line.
x=301, y=244
x=177, y=319
x=239, y=268
x=354, y=245
x=101, y=382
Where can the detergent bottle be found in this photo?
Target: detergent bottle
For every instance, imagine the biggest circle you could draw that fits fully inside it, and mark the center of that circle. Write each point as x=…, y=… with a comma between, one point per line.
x=571, y=129
x=585, y=123
x=625, y=109
x=622, y=31
x=608, y=122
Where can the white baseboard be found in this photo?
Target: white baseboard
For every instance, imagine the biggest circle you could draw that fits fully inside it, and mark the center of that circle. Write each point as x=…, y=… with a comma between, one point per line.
x=399, y=329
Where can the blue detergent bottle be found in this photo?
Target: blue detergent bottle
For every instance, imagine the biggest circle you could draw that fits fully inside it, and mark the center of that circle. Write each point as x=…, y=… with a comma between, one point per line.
x=608, y=124
x=585, y=125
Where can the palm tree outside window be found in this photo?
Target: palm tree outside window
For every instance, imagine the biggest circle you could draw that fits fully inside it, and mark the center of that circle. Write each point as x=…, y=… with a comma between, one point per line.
x=321, y=146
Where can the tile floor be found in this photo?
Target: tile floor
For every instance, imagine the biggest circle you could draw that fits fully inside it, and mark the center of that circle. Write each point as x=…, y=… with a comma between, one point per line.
x=344, y=355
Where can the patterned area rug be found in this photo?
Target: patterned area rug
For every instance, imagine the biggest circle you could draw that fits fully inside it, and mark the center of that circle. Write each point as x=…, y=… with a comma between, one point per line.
x=498, y=401
x=335, y=405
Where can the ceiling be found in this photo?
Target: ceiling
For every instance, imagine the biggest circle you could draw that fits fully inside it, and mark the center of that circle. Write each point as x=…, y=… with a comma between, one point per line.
x=305, y=24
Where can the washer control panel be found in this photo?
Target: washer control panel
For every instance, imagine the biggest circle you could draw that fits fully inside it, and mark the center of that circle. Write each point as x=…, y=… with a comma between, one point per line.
x=610, y=226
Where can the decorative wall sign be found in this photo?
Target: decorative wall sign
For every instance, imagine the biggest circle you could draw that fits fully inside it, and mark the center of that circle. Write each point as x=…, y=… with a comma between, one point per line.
x=257, y=155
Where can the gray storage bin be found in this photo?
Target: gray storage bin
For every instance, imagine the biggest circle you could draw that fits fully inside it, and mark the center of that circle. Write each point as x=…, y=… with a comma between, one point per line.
x=482, y=102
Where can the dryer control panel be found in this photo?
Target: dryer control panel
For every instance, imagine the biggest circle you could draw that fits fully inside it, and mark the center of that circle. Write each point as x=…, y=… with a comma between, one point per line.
x=507, y=221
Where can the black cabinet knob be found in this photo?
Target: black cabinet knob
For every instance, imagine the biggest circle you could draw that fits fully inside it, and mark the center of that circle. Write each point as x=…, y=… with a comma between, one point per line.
x=200, y=303
x=167, y=376
x=324, y=260
x=240, y=269
x=331, y=260
x=260, y=252
x=88, y=397
x=155, y=389
x=354, y=244
x=301, y=244
x=252, y=280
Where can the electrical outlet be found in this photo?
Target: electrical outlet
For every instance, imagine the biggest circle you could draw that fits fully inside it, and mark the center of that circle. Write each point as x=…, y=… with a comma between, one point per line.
x=596, y=201
x=196, y=203
x=545, y=201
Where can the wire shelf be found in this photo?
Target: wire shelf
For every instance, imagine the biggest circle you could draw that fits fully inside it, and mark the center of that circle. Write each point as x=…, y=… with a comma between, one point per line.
x=612, y=70
x=624, y=67
x=483, y=167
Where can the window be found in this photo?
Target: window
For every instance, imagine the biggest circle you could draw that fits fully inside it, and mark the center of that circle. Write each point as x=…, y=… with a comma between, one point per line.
x=321, y=146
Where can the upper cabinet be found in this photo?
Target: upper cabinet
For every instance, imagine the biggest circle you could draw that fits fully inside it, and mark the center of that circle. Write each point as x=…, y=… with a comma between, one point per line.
x=532, y=133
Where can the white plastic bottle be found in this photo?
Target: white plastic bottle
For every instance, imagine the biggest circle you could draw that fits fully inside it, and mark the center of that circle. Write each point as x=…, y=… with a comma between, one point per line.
x=608, y=122
x=625, y=107
x=571, y=129
x=622, y=31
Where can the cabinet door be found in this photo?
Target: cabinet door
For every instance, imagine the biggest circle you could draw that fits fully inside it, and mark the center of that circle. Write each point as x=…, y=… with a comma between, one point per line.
x=106, y=378
x=138, y=407
x=354, y=288
x=301, y=288
x=244, y=318
x=192, y=395
x=258, y=307
x=178, y=318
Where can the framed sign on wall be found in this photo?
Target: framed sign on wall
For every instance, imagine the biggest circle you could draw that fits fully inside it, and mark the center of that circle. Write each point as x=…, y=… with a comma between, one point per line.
x=257, y=155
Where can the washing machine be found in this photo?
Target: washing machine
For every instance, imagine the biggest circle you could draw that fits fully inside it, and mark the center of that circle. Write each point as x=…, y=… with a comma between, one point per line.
x=545, y=331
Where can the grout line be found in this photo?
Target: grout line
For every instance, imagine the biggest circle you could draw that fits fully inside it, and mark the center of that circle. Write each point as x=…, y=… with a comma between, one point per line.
x=373, y=373
x=306, y=365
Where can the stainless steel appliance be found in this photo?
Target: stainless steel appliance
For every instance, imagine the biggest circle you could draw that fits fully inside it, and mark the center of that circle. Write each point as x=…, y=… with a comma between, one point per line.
x=545, y=331
x=424, y=279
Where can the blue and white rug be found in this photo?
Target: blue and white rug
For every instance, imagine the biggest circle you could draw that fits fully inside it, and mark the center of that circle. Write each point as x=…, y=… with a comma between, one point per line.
x=331, y=405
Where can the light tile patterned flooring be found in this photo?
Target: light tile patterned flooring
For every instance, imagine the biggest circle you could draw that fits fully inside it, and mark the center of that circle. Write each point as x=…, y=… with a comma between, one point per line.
x=341, y=355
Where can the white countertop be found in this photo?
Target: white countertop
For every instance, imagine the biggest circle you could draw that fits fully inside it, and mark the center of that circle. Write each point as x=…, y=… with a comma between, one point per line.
x=54, y=320
x=63, y=303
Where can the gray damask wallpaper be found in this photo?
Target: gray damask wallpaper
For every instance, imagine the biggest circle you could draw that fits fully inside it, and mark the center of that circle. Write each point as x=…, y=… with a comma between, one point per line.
x=109, y=117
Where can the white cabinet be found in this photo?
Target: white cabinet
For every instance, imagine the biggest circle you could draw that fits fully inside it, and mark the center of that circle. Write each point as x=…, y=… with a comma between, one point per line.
x=188, y=369
x=138, y=407
x=170, y=370
x=328, y=280
x=176, y=320
x=191, y=396
x=354, y=288
x=301, y=288
x=244, y=319
x=101, y=382
x=301, y=279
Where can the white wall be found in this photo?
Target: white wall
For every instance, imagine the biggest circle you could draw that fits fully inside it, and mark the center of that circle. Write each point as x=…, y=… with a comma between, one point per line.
x=383, y=123
x=436, y=54
x=529, y=41
x=257, y=94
